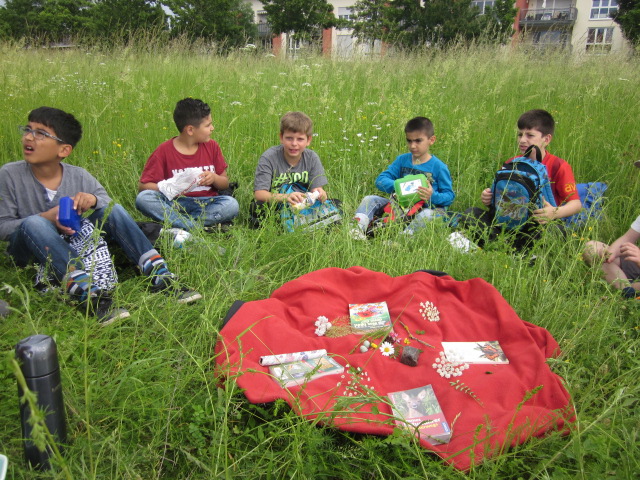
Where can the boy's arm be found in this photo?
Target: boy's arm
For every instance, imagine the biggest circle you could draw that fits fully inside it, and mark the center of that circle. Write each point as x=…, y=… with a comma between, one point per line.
x=631, y=236
x=218, y=181
x=486, y=196
x=318, y=178
x=9, y=219
x=152, y=173
x=564, y=186
x=291, y=198
x=147, y=186
x=386, y=180
x=549, y=212
x=442, y=195
x=323, y=195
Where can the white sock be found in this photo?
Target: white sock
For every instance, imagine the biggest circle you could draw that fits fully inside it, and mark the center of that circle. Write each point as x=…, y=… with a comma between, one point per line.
x=362, y=220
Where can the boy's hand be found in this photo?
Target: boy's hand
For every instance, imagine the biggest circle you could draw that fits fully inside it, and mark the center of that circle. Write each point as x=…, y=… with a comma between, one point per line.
x=295, y=197
x=83, y=202
x=486, y=196
x=425, y=192
x=631, y=252
x=323, y=194
x=611, y=253
x=52, y=216
x=64, y=230
x=207, y=178
x=544, y=214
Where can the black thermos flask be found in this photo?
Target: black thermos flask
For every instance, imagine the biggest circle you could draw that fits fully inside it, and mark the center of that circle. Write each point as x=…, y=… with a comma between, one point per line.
x=38, y=358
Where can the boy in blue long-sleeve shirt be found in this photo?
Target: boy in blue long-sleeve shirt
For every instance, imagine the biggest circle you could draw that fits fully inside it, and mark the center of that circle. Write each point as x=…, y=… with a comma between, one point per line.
x=438, y=194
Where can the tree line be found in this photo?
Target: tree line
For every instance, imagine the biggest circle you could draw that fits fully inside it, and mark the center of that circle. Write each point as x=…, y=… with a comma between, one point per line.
x=407, y=23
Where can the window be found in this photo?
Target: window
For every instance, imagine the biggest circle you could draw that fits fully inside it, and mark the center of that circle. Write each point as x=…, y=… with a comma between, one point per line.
x=344, y=13
x=550, y=38
x=483, y=4
x=599, y=39
x=602, y=9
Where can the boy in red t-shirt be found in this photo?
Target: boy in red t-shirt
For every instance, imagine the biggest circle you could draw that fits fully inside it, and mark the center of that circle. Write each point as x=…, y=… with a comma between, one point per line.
x=535, y=127
x=181, y=180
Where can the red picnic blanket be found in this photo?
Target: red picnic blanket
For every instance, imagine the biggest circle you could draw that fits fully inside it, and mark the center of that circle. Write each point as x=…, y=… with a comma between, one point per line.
x=512, y=401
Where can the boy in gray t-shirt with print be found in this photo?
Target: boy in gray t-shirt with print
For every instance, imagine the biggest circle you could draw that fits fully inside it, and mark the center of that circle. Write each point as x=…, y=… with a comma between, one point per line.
x=290, y=165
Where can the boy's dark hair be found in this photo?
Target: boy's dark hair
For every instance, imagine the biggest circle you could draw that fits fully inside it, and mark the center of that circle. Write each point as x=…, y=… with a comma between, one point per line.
x=64, y=125
x=420, y=124
x=297, y=122
x=540, y=120
x=190, y=111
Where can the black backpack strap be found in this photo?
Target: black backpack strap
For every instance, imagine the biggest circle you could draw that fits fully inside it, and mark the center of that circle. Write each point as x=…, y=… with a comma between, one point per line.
x=232, y=311
x=294, y=187
x=527, y=153
x=435, y=273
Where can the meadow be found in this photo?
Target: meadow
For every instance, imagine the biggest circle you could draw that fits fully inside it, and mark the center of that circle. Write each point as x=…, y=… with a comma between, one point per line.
x=141, y=396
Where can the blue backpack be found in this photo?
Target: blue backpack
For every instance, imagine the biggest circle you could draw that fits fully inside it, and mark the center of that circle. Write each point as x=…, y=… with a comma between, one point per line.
x=312, y=217
x=520, y=187
x=592, y=197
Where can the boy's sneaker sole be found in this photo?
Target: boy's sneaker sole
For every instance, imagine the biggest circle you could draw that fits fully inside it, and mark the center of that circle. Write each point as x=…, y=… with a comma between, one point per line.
x=169, y=286
x=101, y=306
x=186, y=295
x=114, y=315
x=218, y=228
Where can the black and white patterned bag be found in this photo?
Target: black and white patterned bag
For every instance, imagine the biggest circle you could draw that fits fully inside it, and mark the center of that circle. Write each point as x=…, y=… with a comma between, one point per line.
x=94, y=252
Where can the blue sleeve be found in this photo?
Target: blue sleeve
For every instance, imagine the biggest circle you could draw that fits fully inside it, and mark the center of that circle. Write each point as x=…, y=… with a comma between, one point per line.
x=442, y=187
x=386, y=179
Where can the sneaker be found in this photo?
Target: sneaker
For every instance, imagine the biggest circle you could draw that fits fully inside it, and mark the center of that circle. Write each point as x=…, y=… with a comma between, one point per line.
x=218, y=228
x=461, y=243
x=170, y=286
x=101, y=306
x=357, y=234
x=179, y=236
x=629, y=293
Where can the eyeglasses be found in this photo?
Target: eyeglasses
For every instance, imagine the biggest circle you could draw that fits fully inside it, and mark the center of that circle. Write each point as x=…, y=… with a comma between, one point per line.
x=37, y=134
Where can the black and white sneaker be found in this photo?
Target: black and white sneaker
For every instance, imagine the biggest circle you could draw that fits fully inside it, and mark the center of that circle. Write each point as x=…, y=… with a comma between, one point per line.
x=170, y=286
x=218, y=228
x=102, y=307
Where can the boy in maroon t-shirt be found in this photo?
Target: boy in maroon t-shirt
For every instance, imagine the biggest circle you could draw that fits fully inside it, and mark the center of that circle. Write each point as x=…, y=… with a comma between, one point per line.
x=535, y=127
x=192, y=153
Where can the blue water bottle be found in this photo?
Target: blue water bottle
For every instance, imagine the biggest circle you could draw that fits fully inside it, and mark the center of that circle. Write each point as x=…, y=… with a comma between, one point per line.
x=67, y=216
x=38, y=357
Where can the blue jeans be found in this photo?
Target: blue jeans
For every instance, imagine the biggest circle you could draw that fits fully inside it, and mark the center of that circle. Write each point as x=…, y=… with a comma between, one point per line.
x=37, y=238
x=373, y=203
x=185, y=212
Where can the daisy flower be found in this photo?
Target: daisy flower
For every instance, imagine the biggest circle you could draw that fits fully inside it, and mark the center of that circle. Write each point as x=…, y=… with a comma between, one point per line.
x=386, y=349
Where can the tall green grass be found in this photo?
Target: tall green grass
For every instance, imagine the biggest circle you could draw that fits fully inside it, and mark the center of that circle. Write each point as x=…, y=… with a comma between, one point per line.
x=141, y=396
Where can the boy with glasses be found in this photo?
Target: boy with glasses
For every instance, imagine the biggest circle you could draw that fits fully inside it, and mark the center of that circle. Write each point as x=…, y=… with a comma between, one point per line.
x=30, y=193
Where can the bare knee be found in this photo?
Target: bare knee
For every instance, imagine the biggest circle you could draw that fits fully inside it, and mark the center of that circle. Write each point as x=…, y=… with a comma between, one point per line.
x=594, y=251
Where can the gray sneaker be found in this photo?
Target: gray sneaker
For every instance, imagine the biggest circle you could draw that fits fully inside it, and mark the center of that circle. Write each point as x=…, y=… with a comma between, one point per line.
x=186, y=295
x=101, y=306
x=170, y=286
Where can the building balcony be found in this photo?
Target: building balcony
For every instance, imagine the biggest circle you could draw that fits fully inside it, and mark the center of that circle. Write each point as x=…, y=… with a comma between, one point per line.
x=547, y=16
x=264, y=30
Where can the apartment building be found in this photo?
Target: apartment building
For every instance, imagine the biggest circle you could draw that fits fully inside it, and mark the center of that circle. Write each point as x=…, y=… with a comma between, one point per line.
x=583, y=26
x=580, y=26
